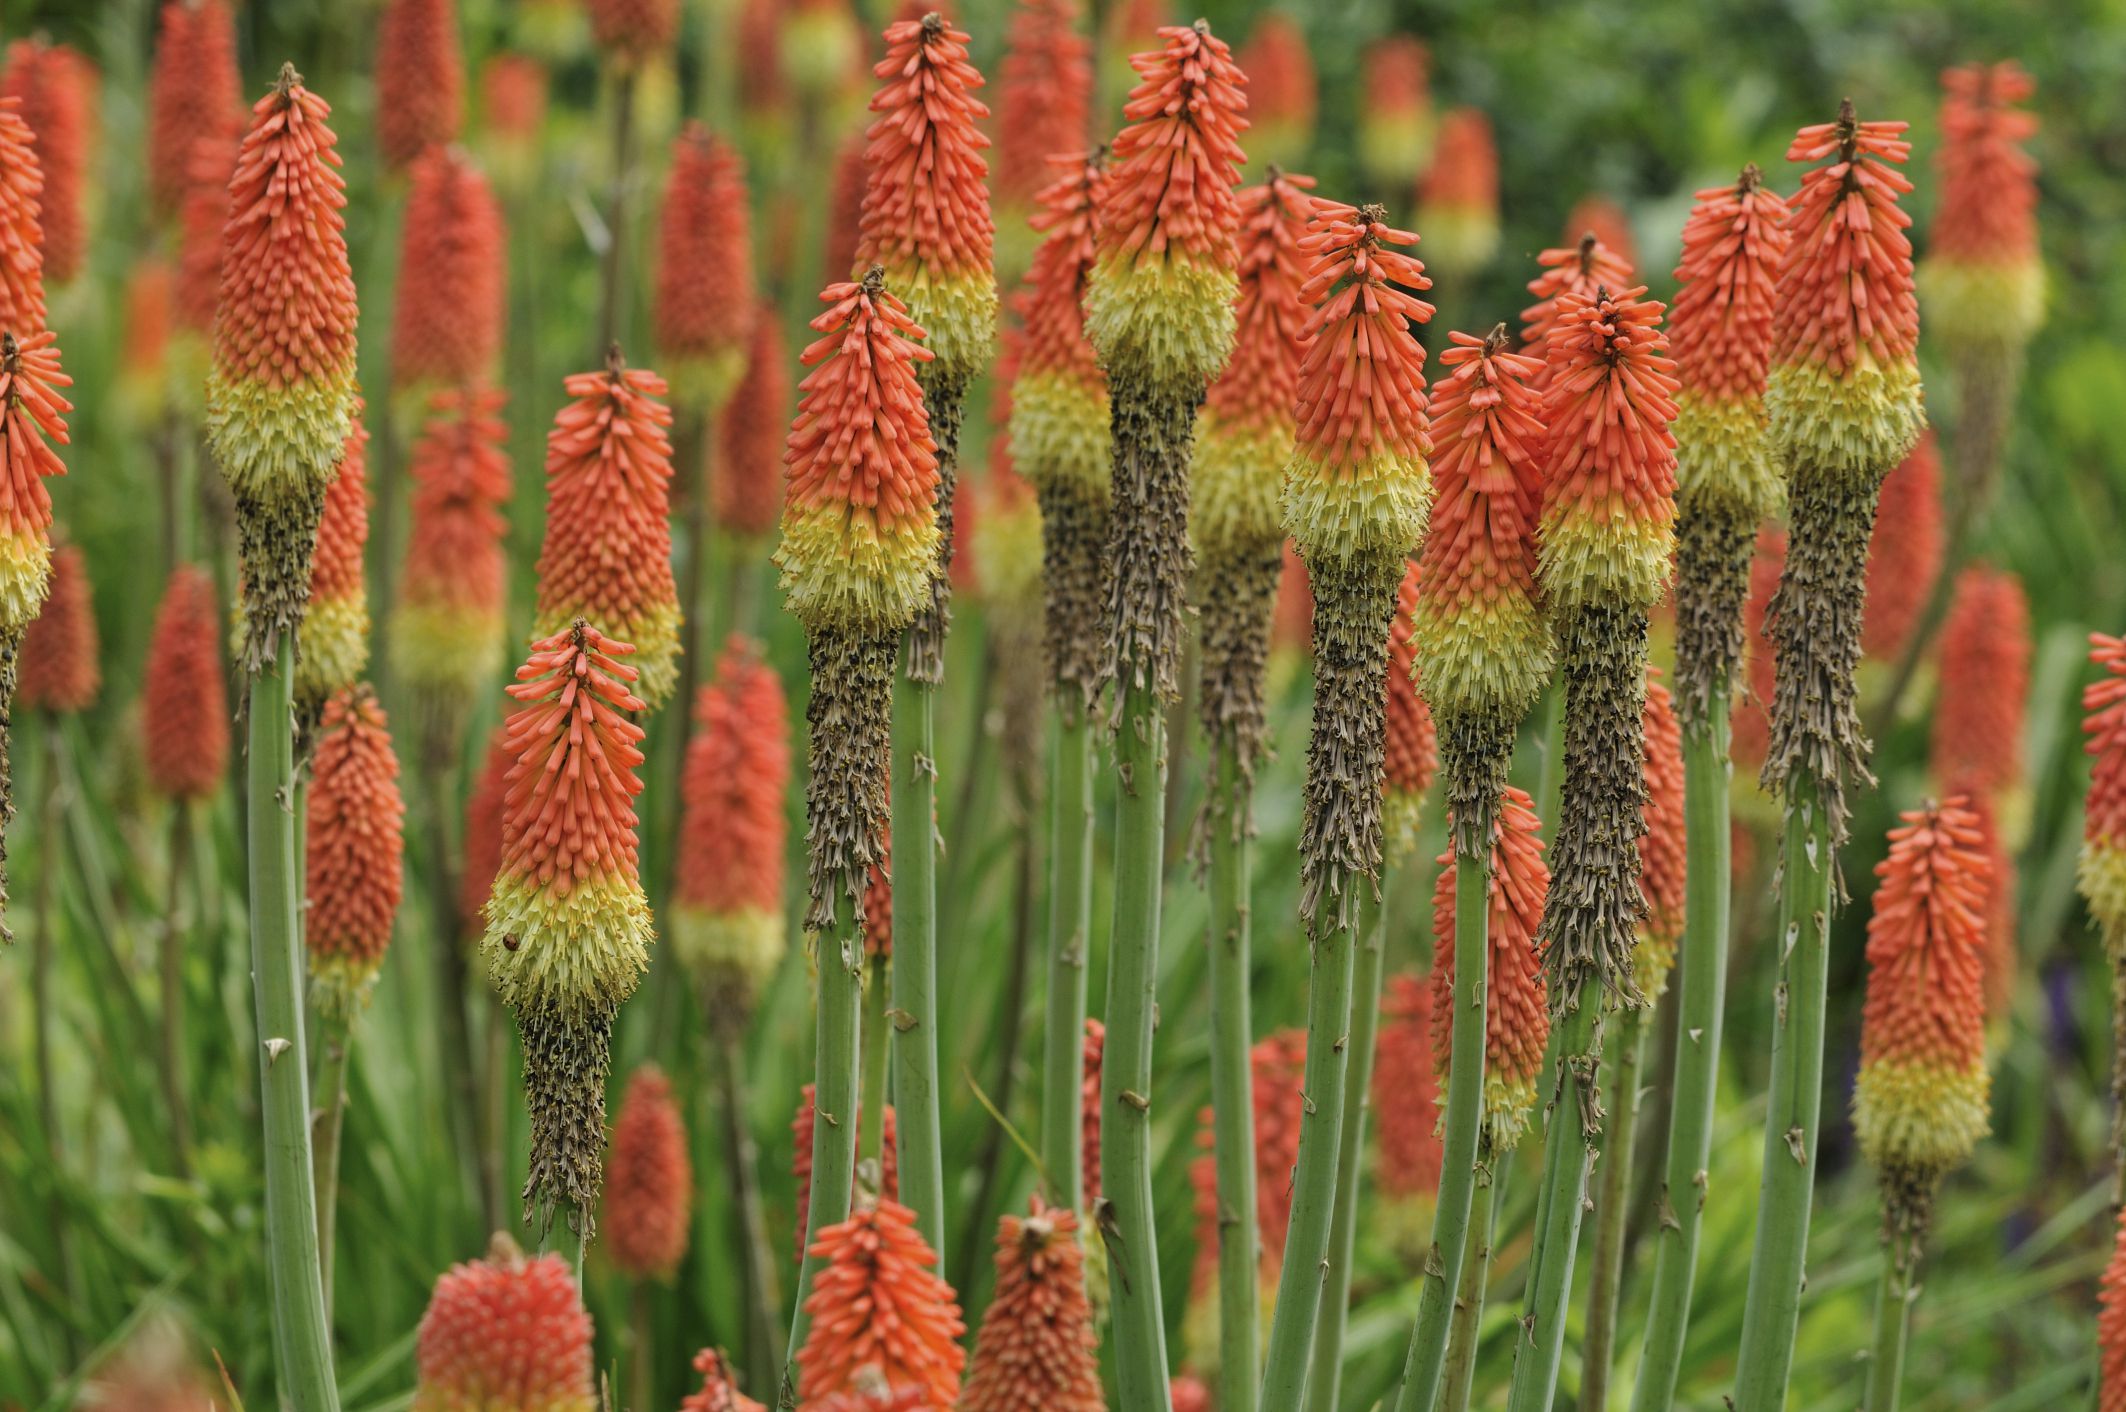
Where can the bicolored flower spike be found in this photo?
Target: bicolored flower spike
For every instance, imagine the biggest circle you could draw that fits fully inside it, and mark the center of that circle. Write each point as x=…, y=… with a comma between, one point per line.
x=32, y=424
x=889, y=1174
x=1044, y=97
x=1584, y=268
x=1985, y=679
x=926, y=216
x=705, y=306
x=1920, y=1102
x=354, y=849
x=2003, y=964
x=484, y=810
x=1413, y=741
x=1458, y=201
x=1983, y=280
x=60, y=670
x=1281, y=89
x=446, y=327
x=336, y=624
x=52, y=83
x=719, y=1387
x=1904, y=552
x=634, y=32
x=879, y=1309
x=1037, y=1348
x=194, y=95
x=144, y=370
x=1405, y=1105
x=649, y=1187
x=420, y=80
x=513, y=100
x=1396, y=132
x=1608, y=223
x=1160, y=303
x=448, y=631
x=727, y=920
x=505, y=1334
x=184, y=703
x=2103, y=865
x=747, y=487
x=1662, y=862
x=607, y=556
x=21, y=232
x=1517, y=1010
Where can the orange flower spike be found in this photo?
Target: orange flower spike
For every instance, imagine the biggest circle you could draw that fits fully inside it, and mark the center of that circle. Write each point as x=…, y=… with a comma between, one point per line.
x=448, y=635
x=1584, y=269
x=2103, y=863
x=194, y=95
x=21, y=232
x=354, y=849
x=1089, y=1108
x=336, y=624
x=877, y=1307
x=705, y=302
x=60, y=670
x=1059, y=412
x=747, y=486
x=452, y=302
x=2111, y=1327
x=1458, y=201
x=1397, y=138
x=484, y=808
x=1608, y=222
x=1662, y=862
x=184, y=700
x=845, y=209
x=719, y=1387
x=199, y=247
x=1920, y=1102
x=1406, y=1092
x=420, y=80
x=1282, y=98
x=634, y=32
x=607, y=556
x=801, y=1160
x=1277, y=1066
x=1517, y=1014
x=1044, y=94
x=926, y=215
x=1037, y=1350
x=1413, y=742
x=649, y=1191
x=1983, y=279
x=53, y=85
x=505, y=1334
x=1904, y=554
x=32, y=424
x=1985, y=682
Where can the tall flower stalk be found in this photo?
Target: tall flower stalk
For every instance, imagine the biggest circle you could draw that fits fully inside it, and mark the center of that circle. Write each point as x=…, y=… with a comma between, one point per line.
x=1845, y=406
x=1160, y=312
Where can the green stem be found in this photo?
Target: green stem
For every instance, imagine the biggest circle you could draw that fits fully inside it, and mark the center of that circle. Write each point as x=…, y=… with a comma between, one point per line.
x=302, y=1342
x=1070, y=905
x=1462, y=1330
x=1232, y=1086
x=1126, y=1068
x=841, y=962
x=915, y=1045
x=335, y=1045
x=612, y=298
x=642, y=1377
x=1459, y=1167
x=1702, y=982
x=1627, y=1055
x=742, y=1162
x=871, y=1082
x=1568, y=1154
x=1772, y=1307
x=171, y=976
x=1893, y=1322
x=1326, y=1383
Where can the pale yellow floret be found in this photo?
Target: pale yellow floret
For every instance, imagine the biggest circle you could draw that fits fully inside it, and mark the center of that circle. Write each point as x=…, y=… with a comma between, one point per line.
x=1653, y=961
x=1919, y=1117
x=841, y=569
x=435, y=646
x=1167, y=319
x=748, y=942
x=1507, y=1104
x=340, y=985
x=335, y=646
x=654, y=634
x=25, y=577
x=958, y=315
x=1346, y=511
x=1490, y=656
x=1858, y=426
x=279, y=445
x=1458, y=240
x=1007, y=554
x=585, y=949
x=1233, y=487
x=1604, y=553
x=2102, y=873
x=1981, y=306
x=1724, y=457
x=1060, y=437
x=706, y=382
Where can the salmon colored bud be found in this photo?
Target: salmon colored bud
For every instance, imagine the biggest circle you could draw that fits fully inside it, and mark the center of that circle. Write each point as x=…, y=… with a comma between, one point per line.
x=447, y=323
x=1905, y=552
x=649, y=1180
x=634, y=32
x=59, y=668
x=1281, y=90
x=32, y=424
x=184, y=699
x=1983, y=278
x=1037, y=1347
x=747, y=490
x=1662, y=863
x=1458, y=201
x=801, y=1160
x=194, y=95
x=1584, y=269
x=420, y=80
x=1413, y=744
x=705, y=302
x=505, y=1334
x=1985, y=680
x=483, y=832
x=719, y=1387
x=54, y=85
x=2103, y=864
x=878, y=1308
x=354, y=848
x=1406, y=1092
x=21, y=232
x=336, y=624
x=1396, y=138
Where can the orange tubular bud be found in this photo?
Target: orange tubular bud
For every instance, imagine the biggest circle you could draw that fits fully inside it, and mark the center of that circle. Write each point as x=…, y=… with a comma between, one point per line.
x=483, y=831
x=634, y=32
x=719, y=1387
x=21, y=232
x=194, y=96
x=1458, y=201
x=52, y=83
x=1662, y=861
x=649, y=1188
x=1904, y=554
x=354, y=849
x=420, y=80
x=705, y=302
x=1413, y=744
x=446, y=327
x=1608, y=223
x=1985, y=678
x=505, y=1334
x=184, y=701
x=889, y=1179
x=1037, y=1348
x=60, y=671
x=448, y=635
x=1395, y=123
x=336, y=624
x=747, y=489
x=1406, y=1092
x=32, y=423
x=1983, y=278
x=1044, y=93
x=1582, y=269
x=1281, y=89
x=880, y=1313
x=2103, y=865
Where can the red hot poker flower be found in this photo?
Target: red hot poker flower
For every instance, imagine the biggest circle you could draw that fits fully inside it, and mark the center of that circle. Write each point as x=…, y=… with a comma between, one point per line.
x=336, y=624
x=889, y=1177
x=21, y=233
x=634, y=31
x=719, y=1387
x=505, y=1333
x=705, y=302
x=1607, y=222
x=1583, y=269
x=1037, y=1348
x=1984, y=280
x=877, y=1307
x=1281, y=89
x=1458, y=201
x=649, y=1180
x=1406, y=1091
x=747, y=489
x=1985, y=678
x=184, y=701
x=354, y=850
x=448, y=636
x=1059, y=419
x=51, y=82
x=420, y=79
x=1662, y=864
x=483, y=831
x=2103, y=864
x=1044, y=87
x=453, y=283
x=2111, y=1328
x=845, y=210
x=58, y=662
x=32, y=422
x=1089, y=1108
x=199, y=245
x=1395, y=123
x=1904, y=554
x=194, y=95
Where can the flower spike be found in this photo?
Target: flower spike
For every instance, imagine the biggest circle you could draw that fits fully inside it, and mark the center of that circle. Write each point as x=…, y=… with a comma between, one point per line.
x=184, y=702
x=1037, y=1348
x=453, y=286
x=336, y=624
x=705, y=308
x=650, y=1188
x=354, y=847
x=59, y=669
x=21, y=232
x=1458, y=201
x=505, y=1334
x=1983, y=281
x=51, y=82
x=194, y=95
x=878, y=1311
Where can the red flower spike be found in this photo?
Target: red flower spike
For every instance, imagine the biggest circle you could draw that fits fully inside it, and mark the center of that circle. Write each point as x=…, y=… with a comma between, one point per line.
x=505, y=1333
x=719, y=1387
x=1406, y=1092
x=21, y=232
x=1396, y=137
x=354, y=849
x=1281, y=89
x=420, y=80
x=2103, y=863
x=705, y=302
x=1985, y=681
x=634, y=32
x=1059, y=420
x=199, y=246
x=449, y=631
x=194, y=96
x=649, y=1180
x=1044, y=94
x=1584, y=268
x=59, y=668
x=1458, y=201
x=747, y=490
x=1663, y=865
x=877, y=1307
x=184, y=700
x=453, y=276
x=1189, y=1393
x=1413, y=743
x=1089, y=1109
x=845, y=209
x=1278, y=1065
x=1904, y=554
x=1983, y=277
x=801, y=1160
x=32, y=423
x=1608, y=223
x=54, y=87
x=483, y=831
x=1720, y=327
x=336, y=623
x=878, y=904
x=513, y=97
x=1037, y=1350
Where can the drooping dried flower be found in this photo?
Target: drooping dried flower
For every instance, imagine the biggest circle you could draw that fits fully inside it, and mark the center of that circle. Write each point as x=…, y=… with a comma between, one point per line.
x=453, y=284
x=705, y=302
x=649, y=1189
x=60, y=670
x=50, y=82
x=194, y=95
x=877, y=1307
x=1905, y=551
x=1458, y=201
x=354, y=845
x=505, y=1334
x=420, y=80
x=184, y=701
x=1983, y=278
x=1037, y=1348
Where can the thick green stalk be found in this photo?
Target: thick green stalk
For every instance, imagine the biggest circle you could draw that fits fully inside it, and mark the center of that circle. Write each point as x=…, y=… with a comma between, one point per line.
x=871, y=1081
x=301, y=1341
x=1326, y=1384
x=1573, y=1125
x=742, y=1164
x=1463, y=1127
x=335, y=1044
x=1772, y=1307
x=1893, y=1321
x=1070, y=905
x=915, y=1042
x=834, y=1102
x=1126, y=1067
x=1462, y=1330
x=1625, y=1059
x=1702, y=987
x=1232, y=1086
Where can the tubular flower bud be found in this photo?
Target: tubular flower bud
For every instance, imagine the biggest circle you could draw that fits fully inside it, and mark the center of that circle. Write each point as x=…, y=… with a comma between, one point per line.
x=453, y=287
x=859, y=514
x=926, y=199
x=608, y=549
x=194, y=95
x=1608, y=223
x=336, y=624
x=649, y=1189
x=727, y=919
x=1662, y=861
x=705, y=303
x=747, y=490
x=1037, y=1348
x=448, y=635
x=32, y=424
x=354, y=848
x=484, y=809
x=420, y=80
x=52, y=84
x=60, y=670
x=1395, y=123
x=1281, y=89
x=1919, y=1105
x=634, y=32
x=1458, y=201
x=1985, y=680
x=1044, y=94
x=1412, y=757
x=1160, y=303
x=1904, y=554
x=1406, y=1092
x=2103, y=864
x=719, y=1387
x=184, y=701
x=1983, y=279
x=1517, y=1012
x=505, y=1334
x=1089, y=1105
x=1585, y=269
x=889, y=1177
x=878, y=1308
x=2111, y=1328
x=21, y=232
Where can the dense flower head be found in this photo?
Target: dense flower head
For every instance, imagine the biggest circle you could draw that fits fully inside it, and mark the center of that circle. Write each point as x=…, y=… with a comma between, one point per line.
x=143, y=368
x=1985, y=681
x=634, y=32
x=1281, y=88
x=1983, y=278
x=1609, y=509
x=860, y=507
x=1037, y=1350
x=1750, y=721
x=449, y=630
x=2111, y=1327
x=1517, y=1010
x=184, y=700
x=1044, y=95
x=1059, y=415
x=2103, y=864
x=926, y=215
x=889, y=1175
x=199, y=237
x=1396, y=138
x=1662, y=864
x=194, y=95
x=453, y=284
x=1406, y=1091
x=54, y=85
x=1483, y=642
x=1089, y=1108
x=2002, y=961
x=1413, y=743
x=58, y=661
x=1358, y=485
x=567, y=924
x=281, y=394
x=747, y=486
x=845, y=209
x=336, y=624
x=484, y=808
x=513, y=97
x=877, y=1306
x=649, y=1180
x=1844, y=393
x=1458, y=201
x=1161, y=296
x=420, y=79
x=1608, y=222
x=719, y=1387
x=505, y=1334
x=1584, y=268
x=354, y=846
x=1920, y=1103
x=1904, y=554
x=705, y=302
x=32, y=423
x=21, y=232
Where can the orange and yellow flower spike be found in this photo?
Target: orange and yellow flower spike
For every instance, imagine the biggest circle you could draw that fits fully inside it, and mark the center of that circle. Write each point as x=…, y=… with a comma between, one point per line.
x=747, y=486
x=706, y=308
x=194, y=95
x=1584, y=268
x=880, y=1314
x=1037, y=1347
x=719, y=1387
x=1398, y=140
x=1979, y=709
x=51, y=83
x=505, y=1334
x=649, y=1192
x=1458, y=201
x=446, y=327
x=354, y=848
x=183, y=701
x=1983, y=281
x=21, y=230
x=1282, y=97
x=1044, y=97
x=336, y=623
x=2103, y=865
